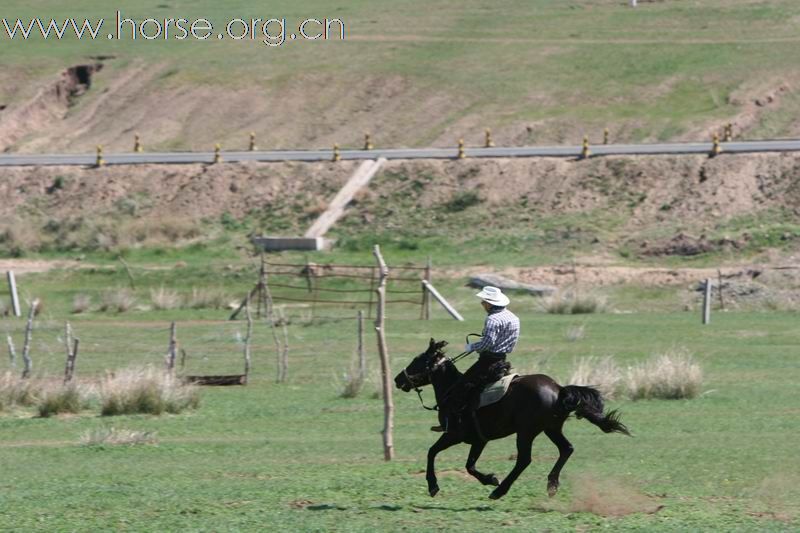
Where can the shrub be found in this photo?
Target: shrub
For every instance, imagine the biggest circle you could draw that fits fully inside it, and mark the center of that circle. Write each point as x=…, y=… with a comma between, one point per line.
x=573, y=304
x=117, y=437
x=164, y=298
x=575, y=333
x=18, y=238
x=16, y=391
x=671, y=375
x=352, y=383
x=462, y=200
x=207, y=299
x=117, y=301
x=602, y=374
x=145, y=391
x=81, y=303
x=69, y=398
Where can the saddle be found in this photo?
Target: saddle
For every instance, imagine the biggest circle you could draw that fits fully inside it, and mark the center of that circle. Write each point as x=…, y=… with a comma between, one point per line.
x=494, y=392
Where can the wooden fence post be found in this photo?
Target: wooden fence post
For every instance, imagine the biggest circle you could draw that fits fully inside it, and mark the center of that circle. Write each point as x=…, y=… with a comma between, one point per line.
x=247, y=339
x=69, y=370
x=12, y=287
x=284, y=352
x=72, y=353
x=12, y=353
x=172, y=351
x=426, y=296
x=707, y=302
x=362, y=358
x=26, y=348
x=444, y=303
x=380, y=329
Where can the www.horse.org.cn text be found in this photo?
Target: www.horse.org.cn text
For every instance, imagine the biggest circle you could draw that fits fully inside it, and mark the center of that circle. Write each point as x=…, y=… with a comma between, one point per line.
x=269, y=31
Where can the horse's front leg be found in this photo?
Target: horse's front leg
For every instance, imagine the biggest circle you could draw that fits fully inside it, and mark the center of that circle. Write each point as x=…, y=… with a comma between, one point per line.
x=474, y=453
x=444, y=442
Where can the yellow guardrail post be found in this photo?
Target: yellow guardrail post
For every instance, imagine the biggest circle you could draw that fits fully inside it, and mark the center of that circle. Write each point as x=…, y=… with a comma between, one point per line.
x=461, y=154
x=336, y=155
x=368, y=141
x=137, y=144
x=217, y=153
x=489, y=142
x=99, y=162
x=605, y=136
x=585, y=152
x=716, y=149
x=728, y=132
x=253, y=146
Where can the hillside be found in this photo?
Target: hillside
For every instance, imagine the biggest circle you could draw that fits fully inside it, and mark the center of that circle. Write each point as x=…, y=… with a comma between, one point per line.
x=544, y=71
x=502, y=211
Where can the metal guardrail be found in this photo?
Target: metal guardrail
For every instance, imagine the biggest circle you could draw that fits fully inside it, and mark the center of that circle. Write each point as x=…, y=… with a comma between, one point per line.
x=577, y=151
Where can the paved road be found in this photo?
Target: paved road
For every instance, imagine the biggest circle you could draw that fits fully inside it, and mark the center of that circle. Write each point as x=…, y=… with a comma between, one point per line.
x=409, y=153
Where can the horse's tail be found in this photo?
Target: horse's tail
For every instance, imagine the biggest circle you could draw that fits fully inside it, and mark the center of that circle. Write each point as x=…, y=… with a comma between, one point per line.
x=587, y=403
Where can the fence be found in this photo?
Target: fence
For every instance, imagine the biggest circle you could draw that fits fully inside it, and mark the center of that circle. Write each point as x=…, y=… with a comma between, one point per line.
x=318, y=285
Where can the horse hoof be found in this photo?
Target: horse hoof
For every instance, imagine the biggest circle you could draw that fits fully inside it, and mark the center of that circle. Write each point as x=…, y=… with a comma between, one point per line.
x=433, y=491
x=552, y=489
x=493, y=481
x=496, y=495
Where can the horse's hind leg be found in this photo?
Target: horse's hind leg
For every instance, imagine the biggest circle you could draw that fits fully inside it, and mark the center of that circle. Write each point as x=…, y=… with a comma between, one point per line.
x=474, y=453
x=564, y=451
x=524, y=443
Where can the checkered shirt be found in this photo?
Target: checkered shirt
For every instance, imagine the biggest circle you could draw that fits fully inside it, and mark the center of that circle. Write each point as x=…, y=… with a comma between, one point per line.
x=500, y=332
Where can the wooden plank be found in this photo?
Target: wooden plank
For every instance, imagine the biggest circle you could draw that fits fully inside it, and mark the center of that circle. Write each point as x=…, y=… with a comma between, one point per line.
x=444, y=303
x=707, y=302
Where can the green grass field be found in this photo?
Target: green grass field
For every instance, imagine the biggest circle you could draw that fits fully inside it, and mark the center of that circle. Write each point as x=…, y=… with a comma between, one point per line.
x=296, y=456
x=656, y=72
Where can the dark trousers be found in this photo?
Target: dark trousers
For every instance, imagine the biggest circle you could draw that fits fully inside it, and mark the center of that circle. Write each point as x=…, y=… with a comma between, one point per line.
x=467, y=389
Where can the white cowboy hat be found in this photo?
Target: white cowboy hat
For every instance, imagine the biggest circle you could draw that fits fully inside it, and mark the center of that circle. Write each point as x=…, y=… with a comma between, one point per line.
x=494, y=296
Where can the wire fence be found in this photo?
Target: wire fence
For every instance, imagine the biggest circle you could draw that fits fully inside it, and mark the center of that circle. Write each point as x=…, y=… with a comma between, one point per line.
x=326, y=285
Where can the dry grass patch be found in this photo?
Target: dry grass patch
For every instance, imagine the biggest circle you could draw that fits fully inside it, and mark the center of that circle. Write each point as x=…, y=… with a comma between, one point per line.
x=81, y=303
x=575, y=333
x=15, y=391
x=63, y=398
x=601, y=373
x=670, y=375
x=206, y=299
x=163, y=299
x=117, y=301
x=145, y=391
x=117, y=437
x=569, y=303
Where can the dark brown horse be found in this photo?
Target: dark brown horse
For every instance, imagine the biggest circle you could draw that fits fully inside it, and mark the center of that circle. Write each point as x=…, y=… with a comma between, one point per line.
x=533, y=404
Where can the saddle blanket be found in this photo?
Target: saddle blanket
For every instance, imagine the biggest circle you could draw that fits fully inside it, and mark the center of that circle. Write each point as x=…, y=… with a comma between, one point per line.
x=494, y=392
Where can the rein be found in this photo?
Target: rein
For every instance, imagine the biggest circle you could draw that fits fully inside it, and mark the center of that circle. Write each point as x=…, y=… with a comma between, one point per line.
x=418, y=390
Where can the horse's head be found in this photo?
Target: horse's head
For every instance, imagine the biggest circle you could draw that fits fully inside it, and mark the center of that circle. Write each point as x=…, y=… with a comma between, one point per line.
x=418, y=373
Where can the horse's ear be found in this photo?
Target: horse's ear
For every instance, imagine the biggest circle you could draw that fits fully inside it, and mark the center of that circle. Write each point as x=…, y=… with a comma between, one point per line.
x=432, y=344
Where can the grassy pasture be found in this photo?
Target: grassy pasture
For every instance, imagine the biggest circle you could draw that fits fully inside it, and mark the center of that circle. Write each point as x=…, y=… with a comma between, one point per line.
x=657, y=72
x=297, y=456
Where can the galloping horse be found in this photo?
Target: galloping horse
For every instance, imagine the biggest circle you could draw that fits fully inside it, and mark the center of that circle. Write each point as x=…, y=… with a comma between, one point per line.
x=534, y=403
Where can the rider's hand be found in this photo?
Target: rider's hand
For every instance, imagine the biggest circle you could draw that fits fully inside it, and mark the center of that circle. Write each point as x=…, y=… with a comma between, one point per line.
x=468, y=347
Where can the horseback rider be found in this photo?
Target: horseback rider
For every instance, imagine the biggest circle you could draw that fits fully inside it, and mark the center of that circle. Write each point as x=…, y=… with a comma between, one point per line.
x=499, y=337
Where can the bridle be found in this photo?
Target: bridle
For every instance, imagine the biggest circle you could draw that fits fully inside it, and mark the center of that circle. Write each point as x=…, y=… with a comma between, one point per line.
x=443, y=360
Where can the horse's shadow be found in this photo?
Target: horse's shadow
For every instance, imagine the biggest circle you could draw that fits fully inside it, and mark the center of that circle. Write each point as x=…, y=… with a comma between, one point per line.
x=479, y=508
